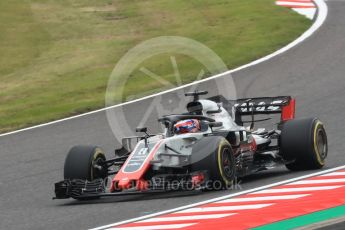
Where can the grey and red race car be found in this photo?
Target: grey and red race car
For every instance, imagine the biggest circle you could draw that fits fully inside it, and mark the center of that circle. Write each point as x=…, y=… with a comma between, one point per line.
x=205, y=148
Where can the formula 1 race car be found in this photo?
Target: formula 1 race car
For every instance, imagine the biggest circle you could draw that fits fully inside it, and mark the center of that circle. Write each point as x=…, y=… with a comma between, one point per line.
x=206, y=148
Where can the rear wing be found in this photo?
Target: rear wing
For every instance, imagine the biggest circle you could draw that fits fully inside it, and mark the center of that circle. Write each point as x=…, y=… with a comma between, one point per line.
x=284, y=105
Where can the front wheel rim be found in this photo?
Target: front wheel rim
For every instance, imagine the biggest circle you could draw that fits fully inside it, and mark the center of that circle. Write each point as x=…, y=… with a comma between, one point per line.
x=98, y=173
x=321, y=143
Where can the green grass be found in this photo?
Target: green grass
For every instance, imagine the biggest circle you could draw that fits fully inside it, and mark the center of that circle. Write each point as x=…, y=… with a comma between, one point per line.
x=56, y=56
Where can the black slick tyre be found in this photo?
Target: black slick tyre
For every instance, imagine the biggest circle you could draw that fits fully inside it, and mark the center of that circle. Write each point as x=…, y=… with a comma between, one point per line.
x=304, y=143
x=214, y=154
x=80, y=162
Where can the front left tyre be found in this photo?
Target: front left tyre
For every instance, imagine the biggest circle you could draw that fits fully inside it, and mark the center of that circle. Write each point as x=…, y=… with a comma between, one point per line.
x=82, y=162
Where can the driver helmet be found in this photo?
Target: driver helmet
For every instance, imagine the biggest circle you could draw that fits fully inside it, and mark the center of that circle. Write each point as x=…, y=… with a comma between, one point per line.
x=187, y=126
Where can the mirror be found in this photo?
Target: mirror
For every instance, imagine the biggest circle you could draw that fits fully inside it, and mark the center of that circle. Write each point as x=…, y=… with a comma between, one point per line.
x=141, y=130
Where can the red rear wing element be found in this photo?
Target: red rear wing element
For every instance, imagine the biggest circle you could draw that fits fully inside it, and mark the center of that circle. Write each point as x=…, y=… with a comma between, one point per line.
x=288, y=111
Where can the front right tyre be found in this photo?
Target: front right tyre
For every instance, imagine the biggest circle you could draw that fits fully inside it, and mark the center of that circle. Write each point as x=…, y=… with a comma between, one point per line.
x=217, y=159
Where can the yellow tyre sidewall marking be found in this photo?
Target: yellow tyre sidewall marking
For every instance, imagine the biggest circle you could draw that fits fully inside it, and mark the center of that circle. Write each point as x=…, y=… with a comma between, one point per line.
x=316, y=149
x=221, y=144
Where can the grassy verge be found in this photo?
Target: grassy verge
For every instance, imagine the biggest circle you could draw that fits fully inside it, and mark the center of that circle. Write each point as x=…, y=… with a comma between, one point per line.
x=56, y=56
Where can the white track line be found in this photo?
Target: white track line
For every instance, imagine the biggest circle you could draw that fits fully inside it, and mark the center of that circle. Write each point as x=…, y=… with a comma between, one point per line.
x=284, y=3
x=308, y=12
x=262, y=198
x=324, y=181
x=322, y=15
x=297, y=0
x=154, y=227
x=191, y=218
x=225, y=208
x=218, y=198
x=334, y=174
x=303, y=189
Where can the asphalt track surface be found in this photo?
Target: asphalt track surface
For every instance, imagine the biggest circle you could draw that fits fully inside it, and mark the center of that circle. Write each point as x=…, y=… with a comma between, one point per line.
x=313, y=72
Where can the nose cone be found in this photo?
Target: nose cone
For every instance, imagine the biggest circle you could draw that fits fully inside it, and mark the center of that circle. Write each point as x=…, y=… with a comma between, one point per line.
x=124, y=183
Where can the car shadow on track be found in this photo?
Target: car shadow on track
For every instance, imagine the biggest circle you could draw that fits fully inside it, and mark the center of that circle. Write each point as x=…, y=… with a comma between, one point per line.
x=129, y=198
x=280, y=172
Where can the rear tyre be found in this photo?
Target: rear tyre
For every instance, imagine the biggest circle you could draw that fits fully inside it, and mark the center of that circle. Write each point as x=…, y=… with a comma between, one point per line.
x=218, y=161
x=80, y=163
x=304, y=141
